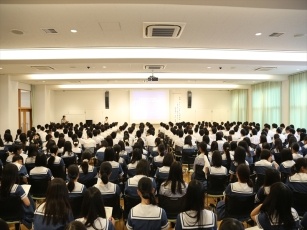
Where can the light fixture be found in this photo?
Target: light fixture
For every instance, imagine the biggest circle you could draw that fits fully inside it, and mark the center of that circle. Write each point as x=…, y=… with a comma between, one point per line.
x=104, y=67
x=73, y=31
x=258, y=34
x=209, y=67
x=1, y=68
x=297, y=69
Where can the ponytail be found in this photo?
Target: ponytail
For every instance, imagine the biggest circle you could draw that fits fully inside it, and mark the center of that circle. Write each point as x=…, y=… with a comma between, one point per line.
x=104, y=178
x=84, y=166
x=149, y=196
x=71, y=185
x=228, y=158
x=145, y=188
x=51, y=161
x=73, y=173
x=105, y=171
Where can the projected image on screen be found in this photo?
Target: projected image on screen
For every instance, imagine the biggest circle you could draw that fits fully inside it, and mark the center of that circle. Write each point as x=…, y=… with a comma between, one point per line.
x=149, y=105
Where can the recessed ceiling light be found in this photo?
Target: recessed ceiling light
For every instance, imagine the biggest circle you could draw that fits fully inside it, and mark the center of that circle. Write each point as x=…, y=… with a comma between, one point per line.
x=209, y=67
x=73, y=31
x=258, y=34
x=1, y=68
x=104, y=67
x=297, y=69
x=44, y=81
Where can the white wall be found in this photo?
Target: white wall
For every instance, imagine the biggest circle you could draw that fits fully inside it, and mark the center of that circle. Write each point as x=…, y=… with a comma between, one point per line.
x=209, y=105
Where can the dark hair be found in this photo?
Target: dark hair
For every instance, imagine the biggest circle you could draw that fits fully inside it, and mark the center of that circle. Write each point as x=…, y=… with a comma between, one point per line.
x=243, y=173
x=168, y=160
x=286, y=155
x=277, y=210
x=109, y=154
x=188, y=140
x=9, y=178
x=4, y=225
x=265, y=154
x=301, y=162
x=92, y=206
x=57, y=207
x=142, y=168
x=67, y=148
x=73, y=173
x=203, y=146
x=53, y=151
x=86, y=157
x=231, y=224
x=41, y=160
x=217, y=159
x=75, y=225
x=226, y=148
x=271, y=176
x=136, y=155
x=239, y=155
x=175, y=177
x=161, y=149
x=146, y=190
x=194, y=200
x=295, y=147
x=105, y=171
x=214, y=146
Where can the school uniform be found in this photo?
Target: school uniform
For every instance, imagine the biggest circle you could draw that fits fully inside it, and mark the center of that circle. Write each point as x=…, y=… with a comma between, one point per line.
x=30, y=162
x=217, y=170
x=262, y=165
x=41, y=172
x=58, y=161
x=234, y=166
x=264, y=222
x=99, y=223
x=285, y=167
x=92, y=173
x=117, y=171
x=298, y=182
x=296, y=156
x=185, y=220
x=131, y=169
x=38, y=223
x=78, y=190
x=149, y=217
x=132, y=185
x=162, y=172
x=262, y=194
x=158, y=161
x=108, y=190
x=165, y=190
x=28, y=211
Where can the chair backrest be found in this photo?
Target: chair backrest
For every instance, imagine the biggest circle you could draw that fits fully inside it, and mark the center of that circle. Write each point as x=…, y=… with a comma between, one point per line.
x=239, y=207
x=69, y=161
x=57, y=171
x=259, y=181
x=11, y=208
x=188, y=156
x=199, y=173
x=172, y=205
x=216, y=184
x=113, y=201
x=75, y=204
x=38, y=186
x=89, y=183
x=130, y=202
x=300, y=202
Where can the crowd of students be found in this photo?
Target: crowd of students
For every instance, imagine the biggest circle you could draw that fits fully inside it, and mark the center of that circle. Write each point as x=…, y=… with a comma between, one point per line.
x=105, y=160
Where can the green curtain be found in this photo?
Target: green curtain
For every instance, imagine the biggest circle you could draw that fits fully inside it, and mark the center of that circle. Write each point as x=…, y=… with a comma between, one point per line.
x=298, y=99
x=266, y=102
x=239, y=98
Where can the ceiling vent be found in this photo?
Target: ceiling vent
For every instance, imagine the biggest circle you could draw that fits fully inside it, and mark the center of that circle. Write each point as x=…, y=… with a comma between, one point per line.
x=42, y=67
x=50, y=31
x=265, y=68
x=276, y=35
x=154, y=67
x=162, y=30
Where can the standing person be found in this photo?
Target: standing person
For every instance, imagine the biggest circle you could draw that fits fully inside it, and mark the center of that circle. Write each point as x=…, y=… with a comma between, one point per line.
x=93, y=212
x=9, y=187
x=274, y=214
x=146, y=215
x=63, y=120
x=106, y=120
x=195, y=216
x=55, y=213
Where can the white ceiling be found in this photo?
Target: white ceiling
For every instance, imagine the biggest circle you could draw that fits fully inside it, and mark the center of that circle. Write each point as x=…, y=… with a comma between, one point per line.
x=227, y=25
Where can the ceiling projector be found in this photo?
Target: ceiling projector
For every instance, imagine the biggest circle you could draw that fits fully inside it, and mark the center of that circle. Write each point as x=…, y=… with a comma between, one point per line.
x=152, y=78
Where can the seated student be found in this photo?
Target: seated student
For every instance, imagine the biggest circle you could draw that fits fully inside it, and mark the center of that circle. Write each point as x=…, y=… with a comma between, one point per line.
x=227, y=154
x=146, y=215
x=13, y=150
x=117, y=171
x=174, y=186
x=276, y=152
x=248, y=150
x=123, y=153
x=40, y=171
x=9, y=188
x=87, y=172
x=136, y=157
x=274, y=214
x=93, y=212
x=142, y=170
x=231, y=224
x=239, y=158
x=188, y=143
x=77, y=149
x=287, y=161
x=106, y=188
x=75, y=189
x=22, y=171
x=140, y=145
x=119, y=159
x=157, y=161
x=32, y=152
x=295, y=151
x=265, y=162
x=200, y=160
x=195, y=216
x=244, y=187
x=216, y=168
x=298, y=181
x=55, y=212
x=54, y=159
x=100, y=152
x=162, y=172
x=271, y=176
x=67, y=151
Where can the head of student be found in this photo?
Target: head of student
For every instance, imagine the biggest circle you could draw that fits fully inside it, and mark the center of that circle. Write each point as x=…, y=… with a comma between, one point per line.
x=231, y=224
x=142, y=168
x=105, y=171
x=175, y=177
x=9, y=178
x=146, y=191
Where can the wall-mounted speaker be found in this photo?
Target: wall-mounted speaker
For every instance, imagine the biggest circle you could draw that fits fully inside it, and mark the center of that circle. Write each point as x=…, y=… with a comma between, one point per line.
x=107, y=100
x=189, y=99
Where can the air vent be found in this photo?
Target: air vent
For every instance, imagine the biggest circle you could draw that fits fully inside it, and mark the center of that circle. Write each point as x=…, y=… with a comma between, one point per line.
x=163, y=30
x=265, y=68
x=50, y=31
x=276, y=34
x=42, y=67
x=154, y=67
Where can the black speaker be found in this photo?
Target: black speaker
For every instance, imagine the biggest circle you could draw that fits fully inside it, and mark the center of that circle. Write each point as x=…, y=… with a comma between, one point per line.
x=106, y=100
x=189, y=99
